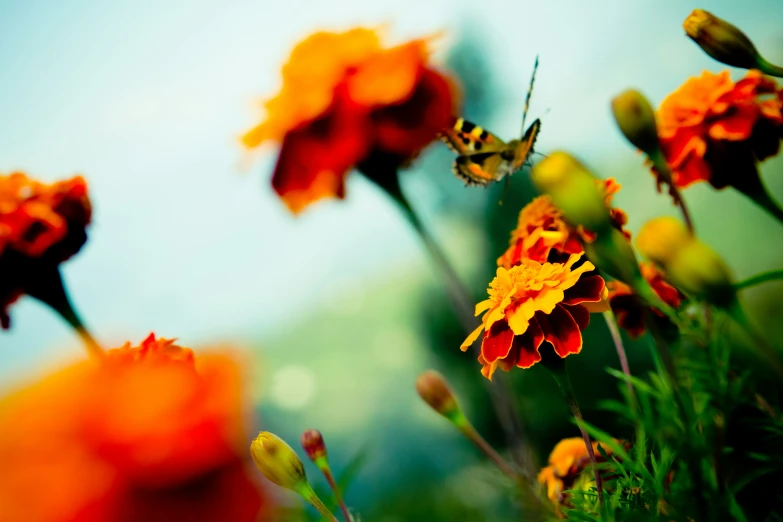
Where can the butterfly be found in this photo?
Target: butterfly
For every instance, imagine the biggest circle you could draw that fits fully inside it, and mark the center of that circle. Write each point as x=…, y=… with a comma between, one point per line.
x=482, y=157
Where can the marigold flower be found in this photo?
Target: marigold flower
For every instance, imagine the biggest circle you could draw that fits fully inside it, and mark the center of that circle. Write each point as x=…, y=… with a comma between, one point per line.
x=344, y=99
x=712, y=129
x=152, y=433
x=40, y=224
x=542, y=228
x=629, y=309
x=531, y=303
x=566, y=462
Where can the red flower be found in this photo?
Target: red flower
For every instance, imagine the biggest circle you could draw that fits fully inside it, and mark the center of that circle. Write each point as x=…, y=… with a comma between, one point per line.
x=346, y=100
x=40, y=225
x=153, y=433
x=629, y=309
x=712, y=129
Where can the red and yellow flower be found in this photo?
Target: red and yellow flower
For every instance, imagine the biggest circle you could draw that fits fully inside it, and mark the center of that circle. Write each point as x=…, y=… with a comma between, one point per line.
x=712, y=129
x=531, y=303
x=152, y=433
x=566, y=463
x=39, y=224
x=629, y=309
x=345, y=98
x=542, y=228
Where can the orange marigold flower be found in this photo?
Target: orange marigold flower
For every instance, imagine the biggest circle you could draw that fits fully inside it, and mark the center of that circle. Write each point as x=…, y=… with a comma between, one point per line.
x=566, y=462
x=531, y=303
x=712, y=129
x=39, y=224
x=153, y=433
x=542, y=228
x=345, y=98
x=629, y=309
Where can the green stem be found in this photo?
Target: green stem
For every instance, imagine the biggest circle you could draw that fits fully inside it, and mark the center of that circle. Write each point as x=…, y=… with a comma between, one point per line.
x=769, y=68
x=770, y=354
x=611, y=323
x=489, y=451
x=309, y=495
x=557, y=367
x=48, y=288
x=463, y=305
x=772, y=275
x=754, y=188
x=662, y=166
x=336, y=490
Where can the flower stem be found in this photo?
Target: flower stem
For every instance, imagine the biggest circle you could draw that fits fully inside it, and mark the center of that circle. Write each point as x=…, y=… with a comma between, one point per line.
x=470, y=432
x=772, y=275
x=309, y=495
x=665, y=173
x=754, y=188
x=611, y=323
x=557, y=367
x=463, y=305
x=48, y=288
x=769, y=68
x=336, y=490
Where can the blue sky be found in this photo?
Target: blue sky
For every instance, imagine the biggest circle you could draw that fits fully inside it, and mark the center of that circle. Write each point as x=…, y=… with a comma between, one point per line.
x=147, y=98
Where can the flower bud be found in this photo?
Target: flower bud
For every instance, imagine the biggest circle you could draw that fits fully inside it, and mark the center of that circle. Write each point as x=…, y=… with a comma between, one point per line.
x=689, y=263
x=721, y=40
x=278, y=462
x=313, y=444
x=573, y=190
x=661, y=238
x=434, y=390
x=636, y=119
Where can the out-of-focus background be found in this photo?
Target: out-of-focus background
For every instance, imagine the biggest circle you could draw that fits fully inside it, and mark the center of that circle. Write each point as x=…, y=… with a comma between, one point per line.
x=339, y=307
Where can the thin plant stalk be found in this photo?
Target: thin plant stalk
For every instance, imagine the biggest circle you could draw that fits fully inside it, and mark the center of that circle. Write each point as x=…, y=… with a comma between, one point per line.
x=470, y=432
x=611, y=323
x=772, y=275
x=463, y=305
x=662, y=167
x=557, y=367
x=337, y=495
x=310, y=496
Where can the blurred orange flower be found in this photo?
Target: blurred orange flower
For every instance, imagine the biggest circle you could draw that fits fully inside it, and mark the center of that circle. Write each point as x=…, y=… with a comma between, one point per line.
x=542, y=228
x=566, y=462
x=531, y=303
x=153, y=434
x=629, y=309
x=39, y=224
x=712, y=129
x=346, y=99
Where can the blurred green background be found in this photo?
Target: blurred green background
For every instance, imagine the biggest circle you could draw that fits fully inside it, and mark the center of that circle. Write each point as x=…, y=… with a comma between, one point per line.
x=340, y=307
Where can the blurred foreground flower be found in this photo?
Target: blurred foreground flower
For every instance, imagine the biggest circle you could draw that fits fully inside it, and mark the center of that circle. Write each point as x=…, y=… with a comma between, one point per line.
x=725, y=42
x=712, y=129
x=542, y=228
x=41, y=225
x=534, y=302
x=152, y=433
x=347, y=100
x=630, y=310
x=568, y=460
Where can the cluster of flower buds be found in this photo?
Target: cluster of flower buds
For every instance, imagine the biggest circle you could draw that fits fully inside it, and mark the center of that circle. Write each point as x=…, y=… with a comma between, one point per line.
x=278, y=462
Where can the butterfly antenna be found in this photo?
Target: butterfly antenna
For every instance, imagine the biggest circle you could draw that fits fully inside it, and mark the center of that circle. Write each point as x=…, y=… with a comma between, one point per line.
x=527, y=98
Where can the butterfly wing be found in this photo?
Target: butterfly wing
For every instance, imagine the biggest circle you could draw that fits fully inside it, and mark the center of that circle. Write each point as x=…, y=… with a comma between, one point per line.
x=525, y=147
x=481, y=168
x=468, y=138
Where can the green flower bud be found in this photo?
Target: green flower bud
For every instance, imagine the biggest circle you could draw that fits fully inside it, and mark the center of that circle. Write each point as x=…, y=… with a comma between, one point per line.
x=721, y=40
x=689, y=264
x=278, y=462
x=636, y=119
x=313, y=444
x=434, y=390
x=573, y=190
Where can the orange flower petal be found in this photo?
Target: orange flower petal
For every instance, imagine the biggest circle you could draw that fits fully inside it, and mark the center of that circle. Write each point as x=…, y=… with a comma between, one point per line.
x=497, y=342
x=561, y=331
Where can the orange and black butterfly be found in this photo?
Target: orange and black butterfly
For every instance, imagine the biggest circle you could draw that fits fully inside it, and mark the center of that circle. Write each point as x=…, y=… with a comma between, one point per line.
x=483, y=158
